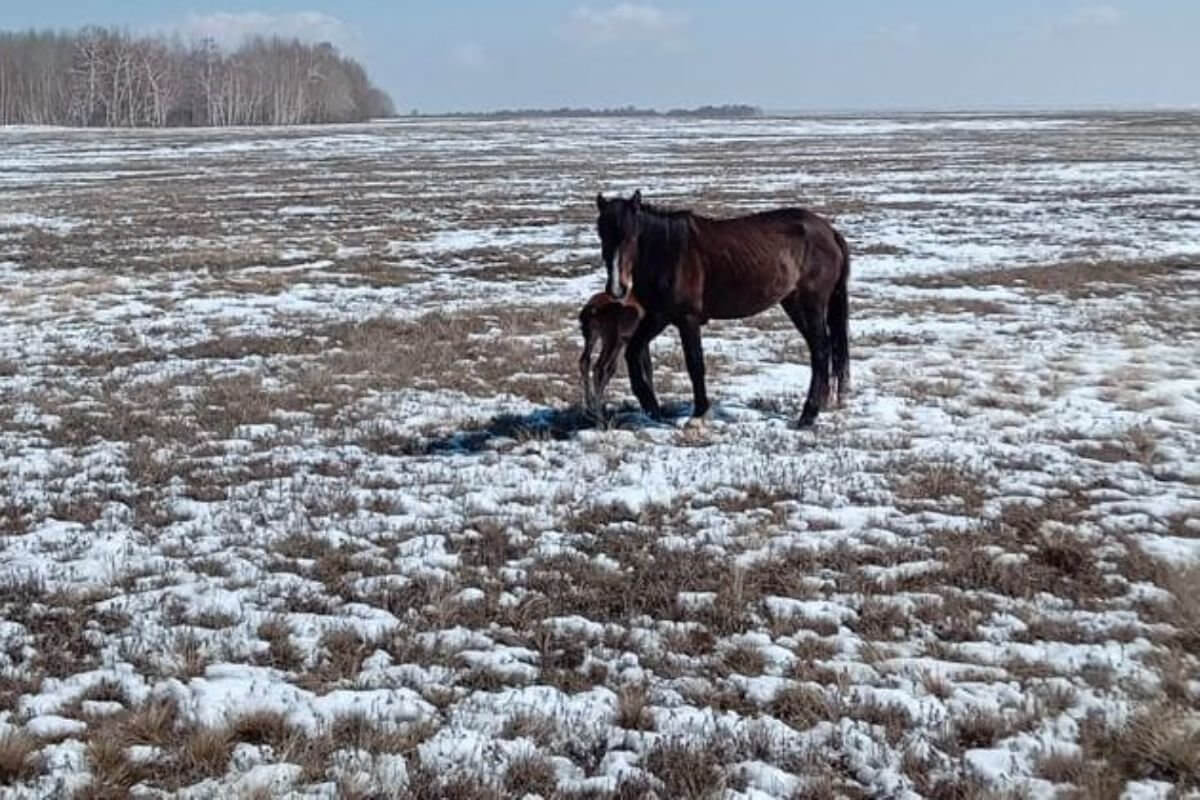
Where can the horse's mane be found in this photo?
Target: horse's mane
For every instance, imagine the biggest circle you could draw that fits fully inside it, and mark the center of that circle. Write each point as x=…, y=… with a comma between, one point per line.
x=660, y=211
x=662, y=238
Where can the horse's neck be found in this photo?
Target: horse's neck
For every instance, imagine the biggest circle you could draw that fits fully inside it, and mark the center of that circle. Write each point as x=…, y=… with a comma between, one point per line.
x=667, y=234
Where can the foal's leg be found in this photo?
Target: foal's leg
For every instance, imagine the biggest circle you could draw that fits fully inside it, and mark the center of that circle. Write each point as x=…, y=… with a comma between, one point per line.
x=808, y=315
x=606, y=364
x=585, y=371
x=693, y=356
x=637, y=361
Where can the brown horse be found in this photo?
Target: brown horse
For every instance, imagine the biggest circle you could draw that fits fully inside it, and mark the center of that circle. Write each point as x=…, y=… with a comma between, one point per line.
x=686, y=269
x=610, y=322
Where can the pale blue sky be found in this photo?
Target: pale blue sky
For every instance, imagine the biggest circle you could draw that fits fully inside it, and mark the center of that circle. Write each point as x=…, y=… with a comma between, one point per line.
x=780, y=54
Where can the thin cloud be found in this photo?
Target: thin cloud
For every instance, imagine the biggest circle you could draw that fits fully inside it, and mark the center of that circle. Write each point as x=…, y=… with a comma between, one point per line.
x=230, y=29
x=626, y=22
x=905, y=33
x=468, y=55
x=1099, y=16
x=1081, y=21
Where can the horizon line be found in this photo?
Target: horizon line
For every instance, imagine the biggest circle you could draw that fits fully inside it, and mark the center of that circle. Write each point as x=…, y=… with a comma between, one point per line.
x=786, y=111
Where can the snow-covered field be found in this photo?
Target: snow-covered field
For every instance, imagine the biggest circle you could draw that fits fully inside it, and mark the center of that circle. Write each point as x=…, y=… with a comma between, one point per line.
x=295, y=499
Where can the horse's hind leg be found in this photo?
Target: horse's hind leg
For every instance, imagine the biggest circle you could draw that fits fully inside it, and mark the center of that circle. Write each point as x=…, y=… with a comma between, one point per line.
x=809, y=318
x=839, y=319
x=693, y=356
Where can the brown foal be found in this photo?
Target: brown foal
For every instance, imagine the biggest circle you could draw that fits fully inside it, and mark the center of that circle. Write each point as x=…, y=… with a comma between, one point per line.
x=611, y=322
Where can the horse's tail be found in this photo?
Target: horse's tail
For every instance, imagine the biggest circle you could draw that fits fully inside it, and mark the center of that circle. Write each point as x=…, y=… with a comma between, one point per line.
x=838, y=319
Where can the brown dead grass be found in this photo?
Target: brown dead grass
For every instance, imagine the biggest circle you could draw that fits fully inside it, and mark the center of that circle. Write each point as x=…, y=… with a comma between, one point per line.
x=282, y=651
x=540, y=728
x=802, y=706
x=648, y=580
x=264, y=727
x=203, y=753
x=633, y=708
x=744, y=660
x=979, y=728
x=113, y=772
x=1032, y=557
x=690, y=770
x=1061, y=767
x=879, y=619
x=530, y=774
x=1157, y=742
x=340, y=655
x=921, y=484
x=480, y=352
x=191, y=753
x=894, y=718
x=1183, y=612
x=1075, y=279
x=18, y=758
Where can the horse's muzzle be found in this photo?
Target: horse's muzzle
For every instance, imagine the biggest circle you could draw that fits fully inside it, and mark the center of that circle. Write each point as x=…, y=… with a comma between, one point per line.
x=616, y=289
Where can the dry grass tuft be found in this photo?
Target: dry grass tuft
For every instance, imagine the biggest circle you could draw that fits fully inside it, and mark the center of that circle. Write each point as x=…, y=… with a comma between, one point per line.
x=977, y=728
x=633, y=708
x=530, y=774
x=1155, y=744
x=687, y=769
x=154, y=723
x=802, y=706
x=1183, y=613
x=202, y=753
x=937, y=685
x=264, y=727
x=881, y=620
x=341, y=652
x=1061, y=767
x=540, y=728
x=931, y=484
x=282, y=651
x=113, y=772
x=744, y=660
x=894, y=718
x=19, y=760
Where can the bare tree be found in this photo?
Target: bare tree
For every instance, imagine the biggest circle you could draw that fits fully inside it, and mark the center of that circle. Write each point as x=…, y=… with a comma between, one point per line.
x=100, y=76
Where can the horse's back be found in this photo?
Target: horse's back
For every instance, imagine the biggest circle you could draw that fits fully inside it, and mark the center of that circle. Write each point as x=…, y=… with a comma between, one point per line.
x=793, y=221
x=751, y=262
x=802, y=222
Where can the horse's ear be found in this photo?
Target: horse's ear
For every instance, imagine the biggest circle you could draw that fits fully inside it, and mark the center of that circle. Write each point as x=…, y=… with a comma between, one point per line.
x=636, y=200
x=600, y=201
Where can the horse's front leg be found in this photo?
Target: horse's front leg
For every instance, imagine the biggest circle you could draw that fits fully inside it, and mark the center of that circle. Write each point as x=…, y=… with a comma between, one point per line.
x=693, y=356
x=637, y=362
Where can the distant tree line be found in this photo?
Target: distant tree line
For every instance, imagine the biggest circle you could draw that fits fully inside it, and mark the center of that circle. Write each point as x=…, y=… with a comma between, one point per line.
x=718, y=112
x=106, y=77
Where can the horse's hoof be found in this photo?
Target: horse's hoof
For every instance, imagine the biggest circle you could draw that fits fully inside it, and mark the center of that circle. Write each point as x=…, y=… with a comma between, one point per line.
x=696, y=424
x=806, y=421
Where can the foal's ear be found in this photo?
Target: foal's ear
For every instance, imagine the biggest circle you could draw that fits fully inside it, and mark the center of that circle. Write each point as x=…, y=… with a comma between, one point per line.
x=636, y=200
x=600, y=201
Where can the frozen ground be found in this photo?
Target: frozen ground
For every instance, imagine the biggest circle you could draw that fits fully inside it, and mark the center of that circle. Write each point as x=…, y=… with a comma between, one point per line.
x=295, y=499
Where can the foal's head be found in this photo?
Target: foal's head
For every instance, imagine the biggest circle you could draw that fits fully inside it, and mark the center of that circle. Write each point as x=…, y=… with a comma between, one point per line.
x=618, y=226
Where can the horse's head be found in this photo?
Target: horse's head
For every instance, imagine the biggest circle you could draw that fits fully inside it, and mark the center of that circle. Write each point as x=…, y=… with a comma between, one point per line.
x=618, y=226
